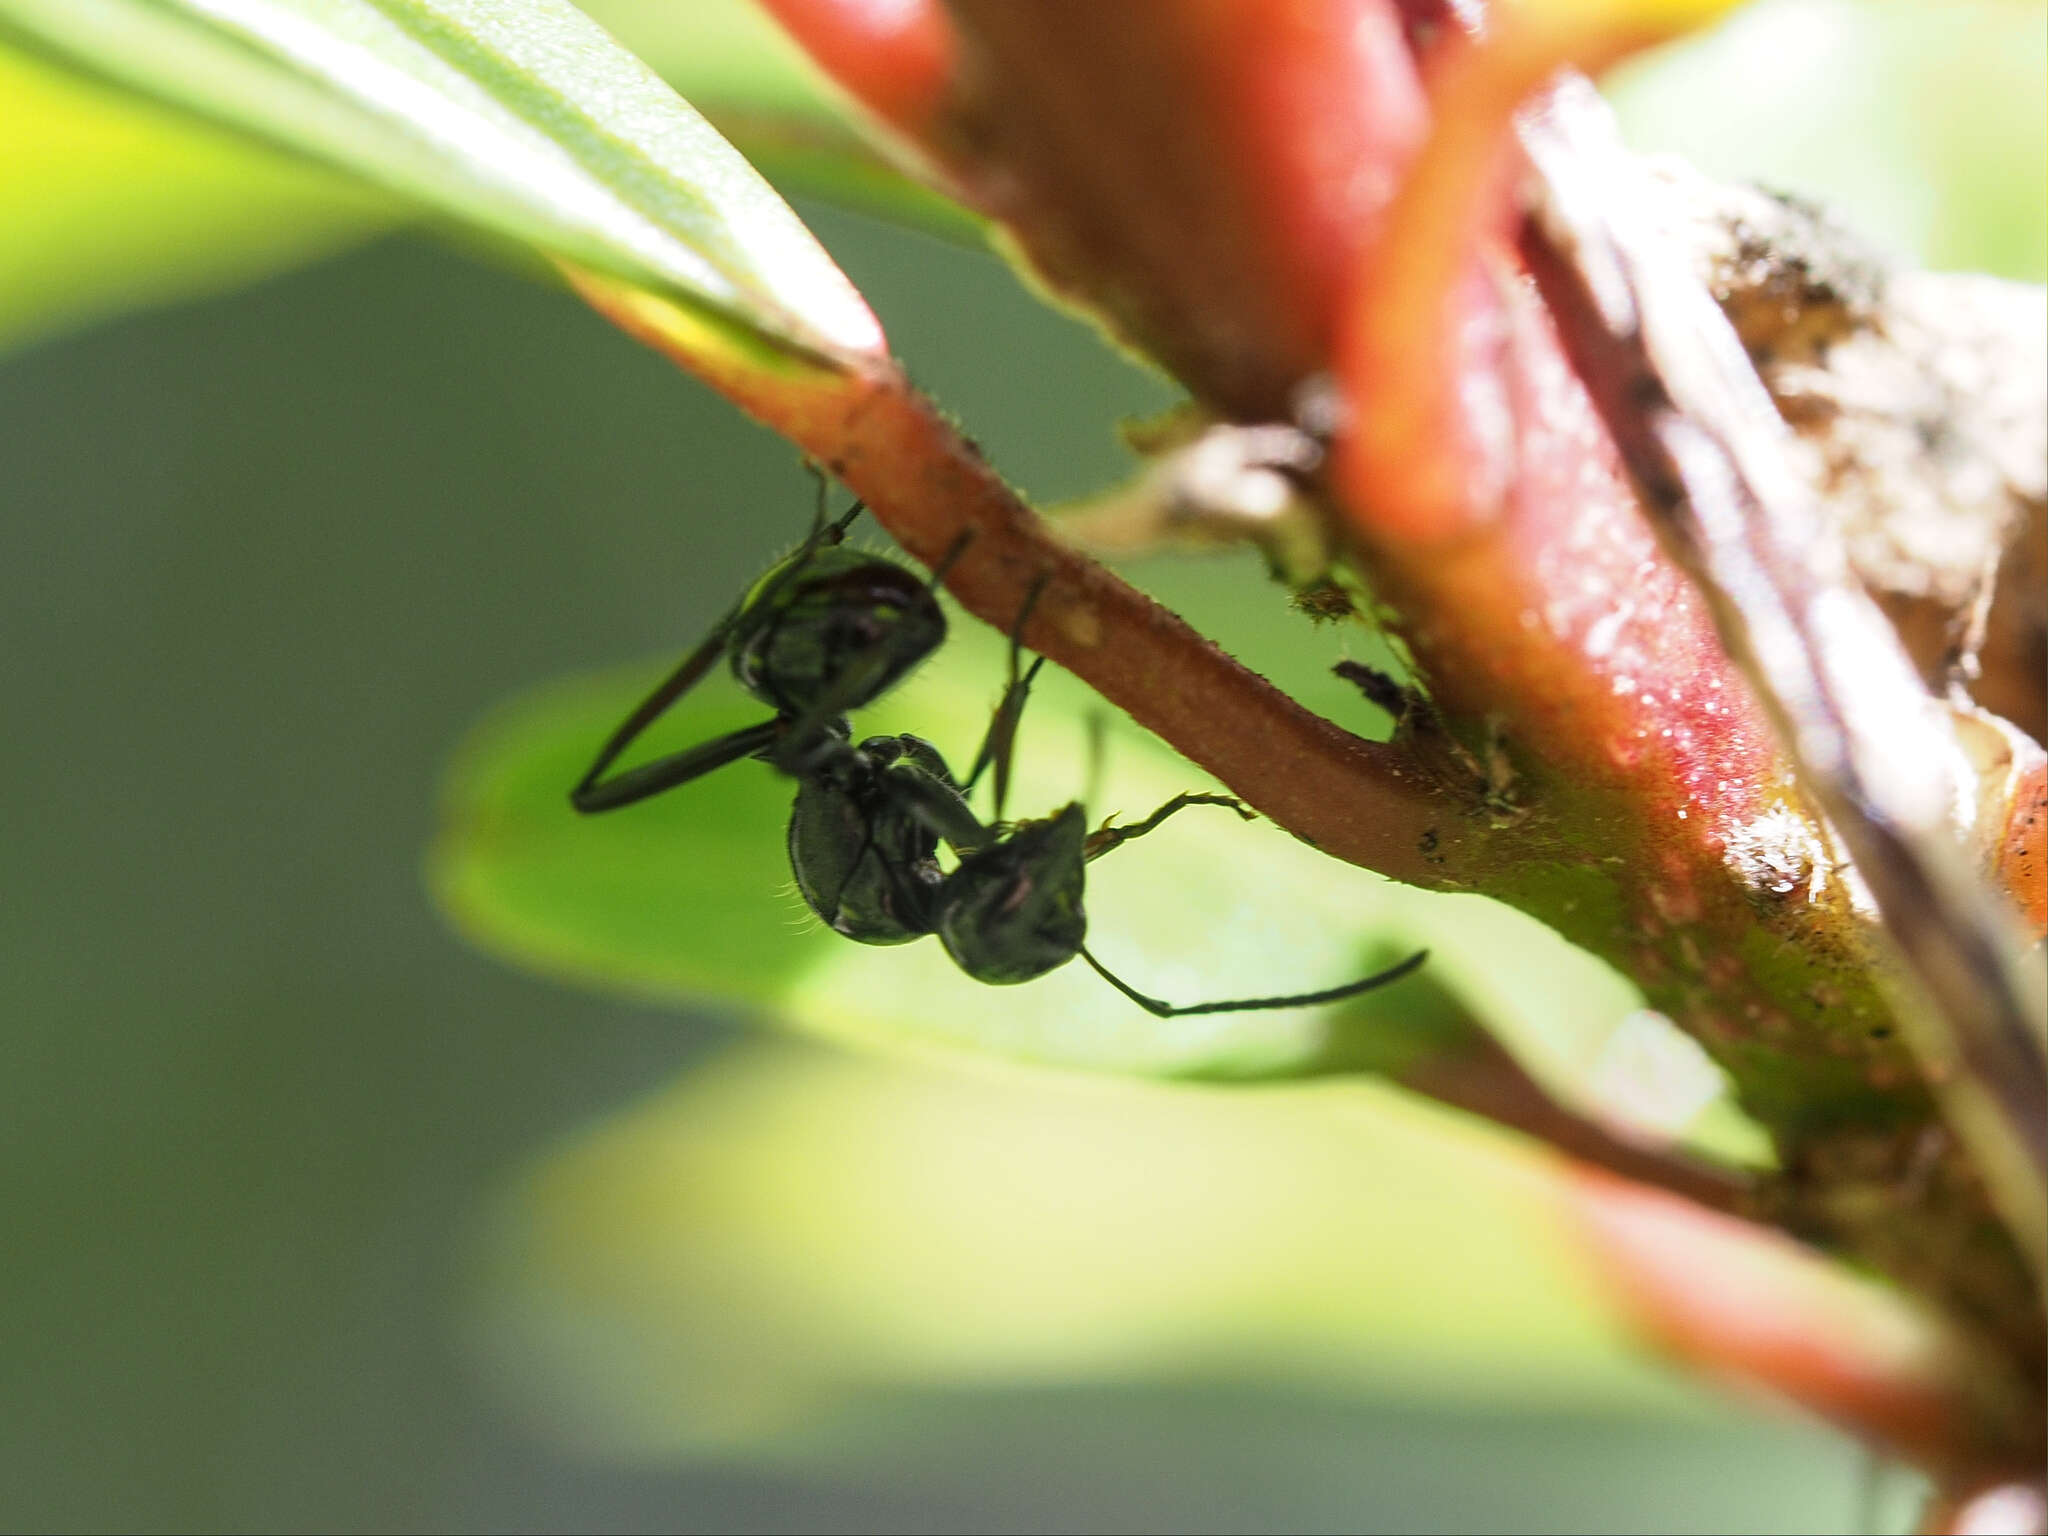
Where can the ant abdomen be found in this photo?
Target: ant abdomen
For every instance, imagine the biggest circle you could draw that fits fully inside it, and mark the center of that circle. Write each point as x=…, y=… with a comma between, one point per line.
x=1012, y=910
x=836, y=635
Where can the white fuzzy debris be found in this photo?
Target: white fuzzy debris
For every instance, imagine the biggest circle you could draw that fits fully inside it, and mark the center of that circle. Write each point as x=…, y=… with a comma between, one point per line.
x=1779, y=852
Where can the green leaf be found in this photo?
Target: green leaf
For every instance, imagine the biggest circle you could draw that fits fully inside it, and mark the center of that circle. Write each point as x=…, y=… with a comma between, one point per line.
x=107, y=201
x=757, y=88
x=527, y=120
x=688, y=895
x=726, y=1260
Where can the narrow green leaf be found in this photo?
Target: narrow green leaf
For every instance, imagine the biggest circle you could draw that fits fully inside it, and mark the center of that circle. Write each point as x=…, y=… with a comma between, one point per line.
x=528, y=120
x=108, y=201
x=688, y=895
x=757, y=88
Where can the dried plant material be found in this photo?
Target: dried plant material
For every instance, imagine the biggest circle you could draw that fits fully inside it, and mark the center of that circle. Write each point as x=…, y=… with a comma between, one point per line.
x=2004, y=821
x=1218, y=487
x=1719, y=478
x=1918, y=403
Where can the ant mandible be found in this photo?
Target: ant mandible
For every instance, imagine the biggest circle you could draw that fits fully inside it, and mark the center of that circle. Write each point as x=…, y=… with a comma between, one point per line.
x=825, y=631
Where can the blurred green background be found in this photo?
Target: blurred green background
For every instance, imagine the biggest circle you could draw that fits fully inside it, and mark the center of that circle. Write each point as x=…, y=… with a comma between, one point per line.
x=320, y=1219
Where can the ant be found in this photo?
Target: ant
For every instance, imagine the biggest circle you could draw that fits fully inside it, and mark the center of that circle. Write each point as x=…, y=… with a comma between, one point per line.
x=825, y=631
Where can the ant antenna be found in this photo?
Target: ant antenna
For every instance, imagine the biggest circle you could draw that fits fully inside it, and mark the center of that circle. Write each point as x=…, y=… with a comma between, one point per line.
x=1107, y=838
x=1165, y=1010
x=1001, y=740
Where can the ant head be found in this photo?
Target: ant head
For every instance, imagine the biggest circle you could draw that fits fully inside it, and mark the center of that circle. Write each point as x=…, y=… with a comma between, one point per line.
x=831, y=628
x=1012, y=910
x=862, y=856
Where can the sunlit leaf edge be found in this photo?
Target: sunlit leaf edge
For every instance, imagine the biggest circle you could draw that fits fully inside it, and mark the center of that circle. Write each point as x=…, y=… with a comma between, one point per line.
x=534, y=124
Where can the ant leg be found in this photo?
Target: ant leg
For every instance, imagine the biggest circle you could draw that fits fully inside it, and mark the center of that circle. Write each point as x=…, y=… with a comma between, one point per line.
x=667, y=772
x=585, y=796
x=1001, y=739
x=867, y=846
x=953, y=552
x=938, y=805
x=824, y=485
x=900, y=881
x=1165, y=1010
x=1106, y=839
x=655, y=705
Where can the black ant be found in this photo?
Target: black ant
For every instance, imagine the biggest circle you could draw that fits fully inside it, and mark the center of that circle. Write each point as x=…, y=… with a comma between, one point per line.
x=825, y=631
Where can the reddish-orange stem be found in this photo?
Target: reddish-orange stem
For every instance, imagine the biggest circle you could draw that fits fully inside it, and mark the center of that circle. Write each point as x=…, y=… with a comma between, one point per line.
x=895, y=56
x=1203, y=175
x=1728, y=1298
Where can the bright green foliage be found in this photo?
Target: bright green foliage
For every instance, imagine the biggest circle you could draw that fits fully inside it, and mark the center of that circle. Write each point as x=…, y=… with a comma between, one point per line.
x=107, y=202
x=528, y=121
x=725, y=1259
